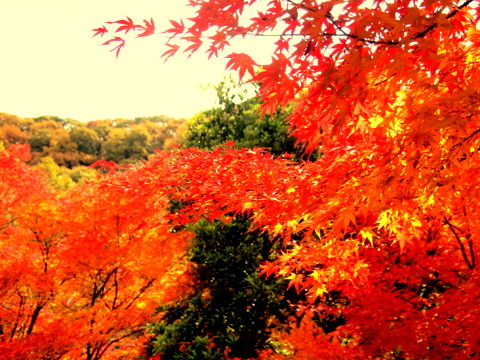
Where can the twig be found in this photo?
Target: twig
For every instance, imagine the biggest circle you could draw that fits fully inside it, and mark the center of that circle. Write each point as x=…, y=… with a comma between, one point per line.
x=465, y=139
x=471, y=265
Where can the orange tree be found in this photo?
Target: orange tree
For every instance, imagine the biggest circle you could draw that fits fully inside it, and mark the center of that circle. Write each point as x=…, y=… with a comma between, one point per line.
x=388, y=217
x=82, y=272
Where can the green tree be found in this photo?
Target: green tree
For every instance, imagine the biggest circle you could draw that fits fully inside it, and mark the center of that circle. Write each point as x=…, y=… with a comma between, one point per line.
x=60, y=141
x=138, y=142
x=50, y=118
x=233, y=309
x=58, y=176
x=163, y=130
x=238, y=119
x=81, y=173
x=41, y=133
x=127, y=145
x=101, y=127
x=113, y=148
x=87, y=140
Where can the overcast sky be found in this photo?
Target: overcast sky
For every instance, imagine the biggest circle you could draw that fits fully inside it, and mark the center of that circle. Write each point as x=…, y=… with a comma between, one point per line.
x=50, y=65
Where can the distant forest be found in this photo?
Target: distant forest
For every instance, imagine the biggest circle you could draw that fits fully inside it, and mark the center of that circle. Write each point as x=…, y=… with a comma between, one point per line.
x=66, y=148
x=72, y=143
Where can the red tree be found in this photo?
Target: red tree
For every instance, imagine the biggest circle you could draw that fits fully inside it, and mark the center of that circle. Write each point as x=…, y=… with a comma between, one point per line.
x=83, y=272
x=388, y=217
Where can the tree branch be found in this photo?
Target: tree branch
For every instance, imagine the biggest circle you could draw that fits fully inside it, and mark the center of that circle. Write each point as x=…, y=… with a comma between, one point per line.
x=469, y=263
x=141, y=291
x=34, y=318
x=465, y=139
x=419, y=35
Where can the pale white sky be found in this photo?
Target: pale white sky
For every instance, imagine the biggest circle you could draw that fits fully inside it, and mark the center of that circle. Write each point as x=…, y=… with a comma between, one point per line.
x=50, y=65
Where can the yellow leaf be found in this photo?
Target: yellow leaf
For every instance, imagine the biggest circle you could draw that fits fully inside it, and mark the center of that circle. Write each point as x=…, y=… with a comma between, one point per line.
x=319, y=291
x=292, y=223
x=416, y=223
x=368, y=235
x=315, y=275
x=375, y=121
x=278, y=228
x=384, y=219
x=247, y=205
x=358, y=266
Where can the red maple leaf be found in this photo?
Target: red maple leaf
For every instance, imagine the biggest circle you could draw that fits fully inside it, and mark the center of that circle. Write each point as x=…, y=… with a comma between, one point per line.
x=126, y=25
x=148, y=29
x=269, y=268
x=170, y=52
x=196, y=43
x=241, y=62
x=178, y=27
x=100, y=31
x=156, y=357
x=119, y=47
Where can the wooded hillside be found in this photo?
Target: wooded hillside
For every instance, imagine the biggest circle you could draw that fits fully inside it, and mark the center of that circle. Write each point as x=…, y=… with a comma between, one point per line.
x=72, y=143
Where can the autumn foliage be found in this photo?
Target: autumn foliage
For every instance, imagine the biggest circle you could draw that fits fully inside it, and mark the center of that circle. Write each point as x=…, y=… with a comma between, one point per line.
x=388, y=217
x=380, y=233
x=81, y=273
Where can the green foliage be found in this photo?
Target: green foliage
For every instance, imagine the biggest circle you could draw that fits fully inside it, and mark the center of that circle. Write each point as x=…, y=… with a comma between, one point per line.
x=41, y=134
x=82, y=173
x=123, y=146
x=164, y=131
x=233, y=309
x=237, y=119
x=87, y=140
x=63, y=178
x=57, y=176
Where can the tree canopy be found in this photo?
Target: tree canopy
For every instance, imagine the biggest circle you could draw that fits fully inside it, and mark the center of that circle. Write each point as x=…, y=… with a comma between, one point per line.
x=389, y=90
x=379, y=234
x=237, y=118
x=81, y=285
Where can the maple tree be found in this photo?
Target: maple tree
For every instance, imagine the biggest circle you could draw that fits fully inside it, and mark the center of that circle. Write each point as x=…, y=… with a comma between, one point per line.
x=389, y=90
x=81, y=271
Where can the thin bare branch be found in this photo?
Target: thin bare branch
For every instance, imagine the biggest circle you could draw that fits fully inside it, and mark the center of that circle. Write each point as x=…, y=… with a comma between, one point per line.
x=469, y=263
